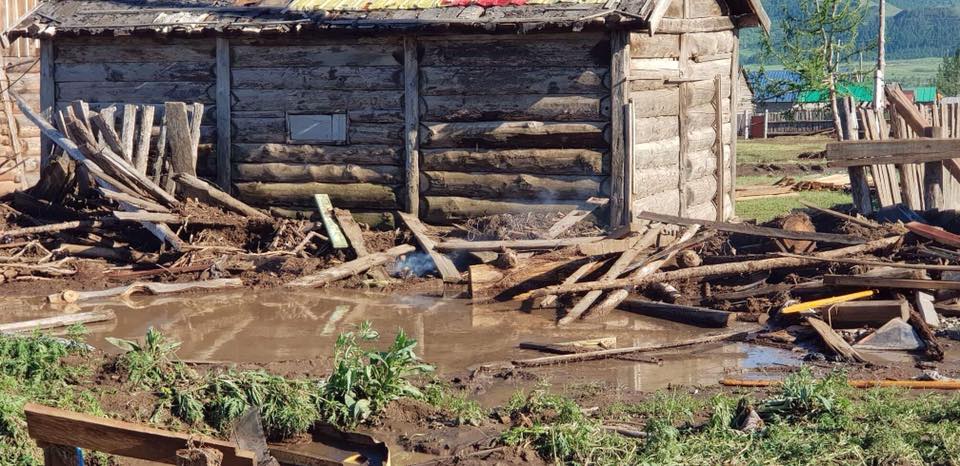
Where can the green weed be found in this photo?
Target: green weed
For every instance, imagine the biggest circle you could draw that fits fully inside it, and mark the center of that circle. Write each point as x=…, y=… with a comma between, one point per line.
x=153, y=363
x=464, y=411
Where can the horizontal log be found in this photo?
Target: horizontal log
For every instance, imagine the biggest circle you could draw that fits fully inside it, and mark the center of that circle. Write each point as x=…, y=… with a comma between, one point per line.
x=137, y=92
x=701, y=317
x=657, y=46
x=297, y=153
x=178, y=71
x=704, y=93
x=701, y=190
x=536, y=161
x=303, y=173
x=651, y=181
x=656, y=128
x=370, y=54
x=274, y=130
x=654, y=68
x=364, y=115
x=383, y=220
x=704, y=71
x=545, y=53
x=657, y=153
x=656, y=103
x=312, y=101
x=701, y=44
x=705, y=9
x=533, y=134
x=347, y=196
x=499, y=80
x=665, y=202
x=704, y=211
x=519, y=107
x=447, y=210
x=338, y=78
x=502, y=186
x=519, y=245
x=135, y=50
x=687, y=26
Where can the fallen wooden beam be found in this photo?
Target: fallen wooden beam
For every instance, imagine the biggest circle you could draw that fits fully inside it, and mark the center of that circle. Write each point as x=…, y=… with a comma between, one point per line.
x=880, y=282
x=870, y=263
x=517, y=245
x=606, y=354
x=66, y=320
x=908, y=384
x=191, y=186
x=714, y=270
x=575, y=216
x=891, y=151
x=100, y=252
x=53, y=228
x=701, y=317
x=444, y=265
x=754, y=230
x=354, y=267
x=71, y=296
x=52, y=426
x=842, y=216
x=833, y=341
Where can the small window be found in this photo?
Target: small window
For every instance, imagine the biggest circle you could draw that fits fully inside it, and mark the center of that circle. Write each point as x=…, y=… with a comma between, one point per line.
x=330, y=128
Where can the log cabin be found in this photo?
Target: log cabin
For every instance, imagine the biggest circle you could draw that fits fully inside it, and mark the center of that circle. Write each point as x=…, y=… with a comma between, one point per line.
x=448, y=109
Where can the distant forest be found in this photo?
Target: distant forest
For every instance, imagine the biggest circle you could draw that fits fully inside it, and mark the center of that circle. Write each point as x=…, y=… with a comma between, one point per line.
x=923, y=28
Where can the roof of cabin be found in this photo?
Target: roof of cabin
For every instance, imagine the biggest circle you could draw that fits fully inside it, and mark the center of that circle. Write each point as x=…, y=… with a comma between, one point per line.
x=282, y=16
x=925, y=95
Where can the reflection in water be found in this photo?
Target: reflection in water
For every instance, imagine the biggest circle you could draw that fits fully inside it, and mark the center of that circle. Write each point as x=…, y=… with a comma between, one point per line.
x=276, y=325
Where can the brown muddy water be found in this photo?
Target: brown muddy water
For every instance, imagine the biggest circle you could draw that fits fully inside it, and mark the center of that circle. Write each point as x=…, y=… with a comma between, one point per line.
x=268, y=326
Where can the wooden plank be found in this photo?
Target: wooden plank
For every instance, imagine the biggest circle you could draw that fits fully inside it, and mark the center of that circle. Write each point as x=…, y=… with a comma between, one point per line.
x=446, y=267
x=196, y=121
x=66, y=320
x=891, y=151
x=699, y=316
x=833, y=341
x=128, y=131
x=934, y=233
x=11, y=124
x=630, y=161
x=411, y=123
x=574, y=217
x=718, y=151
x=619, y=79
x=48, y=94
x=349, y=269
x=905, y=108
x=224, y=128
x=337, y=239
x=754, y=230
x=880, y=282
x=142, y=154
x=352, y=231
x=179, y=138
x=460, y=245
x=858, y=314
x=58, y=427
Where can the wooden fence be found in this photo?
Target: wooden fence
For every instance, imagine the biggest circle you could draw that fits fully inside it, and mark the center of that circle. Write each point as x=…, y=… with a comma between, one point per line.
x=19, y=140
x=10, y=14
x=792, y=123
x=906, y=155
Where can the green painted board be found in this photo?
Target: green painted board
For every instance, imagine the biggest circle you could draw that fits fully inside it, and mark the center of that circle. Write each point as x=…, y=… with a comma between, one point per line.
x=337, y=239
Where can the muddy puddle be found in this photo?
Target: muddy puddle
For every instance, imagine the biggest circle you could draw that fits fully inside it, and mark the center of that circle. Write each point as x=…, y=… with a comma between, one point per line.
x=272, y=326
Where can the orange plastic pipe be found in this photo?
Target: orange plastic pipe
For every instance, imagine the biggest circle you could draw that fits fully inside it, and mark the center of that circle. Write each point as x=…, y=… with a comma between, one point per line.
x=911, y=384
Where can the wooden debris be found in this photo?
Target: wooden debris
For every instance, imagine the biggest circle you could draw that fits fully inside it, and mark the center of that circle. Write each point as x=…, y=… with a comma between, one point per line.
x=66, y=320
x=798, y=222
x=833, y=341
x=713, y=270
x=127, y=255
x=191, y=186
x=934, y=233
x=701, y=317
x=857, y=220
x=349, y=269
x=570, y=219
x=858, y=314
x=891, y=265
x=70, y=296
x=519, y=245
x=199, y=457
x=444, y=265
x=932, y=349
x=325, y=208
x=754, y=230
x=924, y=304
x=881, y=282
x=584, y=270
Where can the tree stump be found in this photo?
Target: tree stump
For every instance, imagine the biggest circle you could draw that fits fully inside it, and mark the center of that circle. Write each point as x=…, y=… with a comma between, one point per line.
x=199, y=457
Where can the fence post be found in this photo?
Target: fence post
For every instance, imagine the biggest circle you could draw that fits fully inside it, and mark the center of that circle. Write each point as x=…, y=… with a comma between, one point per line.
x=858, y=175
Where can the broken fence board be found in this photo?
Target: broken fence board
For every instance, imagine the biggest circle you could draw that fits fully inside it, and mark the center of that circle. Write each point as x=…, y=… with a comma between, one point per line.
x=337, y=239
x=444, y=265
x=67, y=320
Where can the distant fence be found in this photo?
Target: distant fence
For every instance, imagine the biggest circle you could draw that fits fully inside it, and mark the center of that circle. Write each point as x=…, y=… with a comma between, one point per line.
x=792, y=123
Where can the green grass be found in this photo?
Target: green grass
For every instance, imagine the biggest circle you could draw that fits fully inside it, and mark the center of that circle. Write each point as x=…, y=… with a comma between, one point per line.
x=764, y=210
x=783, y=150
x=913, y=72
x=806, y=421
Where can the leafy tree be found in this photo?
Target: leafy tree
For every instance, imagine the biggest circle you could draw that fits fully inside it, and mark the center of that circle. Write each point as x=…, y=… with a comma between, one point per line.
x=818, y=42
x=948, y=74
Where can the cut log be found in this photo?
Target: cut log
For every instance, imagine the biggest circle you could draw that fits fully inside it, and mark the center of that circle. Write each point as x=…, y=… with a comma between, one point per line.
x=345, y=196
x=513, y=134
x=305, y=173
x=584, y=270
x=128, y=132
x=716, y=270
x=191, y=186
x=133, y=200
x=522, y=186
x=70, y=296
x=351, y=268
x=698, y=316
x=532, y=244
x=352, y=231
x=932, y=348
x=67, y=320
x=444, y=265
x=754, y=230
x=442, y=210
x=113, y=254
x=52, y=228
x=533, y=161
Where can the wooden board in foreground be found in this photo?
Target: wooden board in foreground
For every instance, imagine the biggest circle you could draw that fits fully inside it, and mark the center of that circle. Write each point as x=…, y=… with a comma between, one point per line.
x=59, y=427
x=326, y=215
x=446, y=267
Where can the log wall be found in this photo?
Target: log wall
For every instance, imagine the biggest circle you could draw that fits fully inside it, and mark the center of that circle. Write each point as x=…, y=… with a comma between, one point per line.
x=674, y=92
x=106, y=71
x=512, y=123
x=359, y=77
